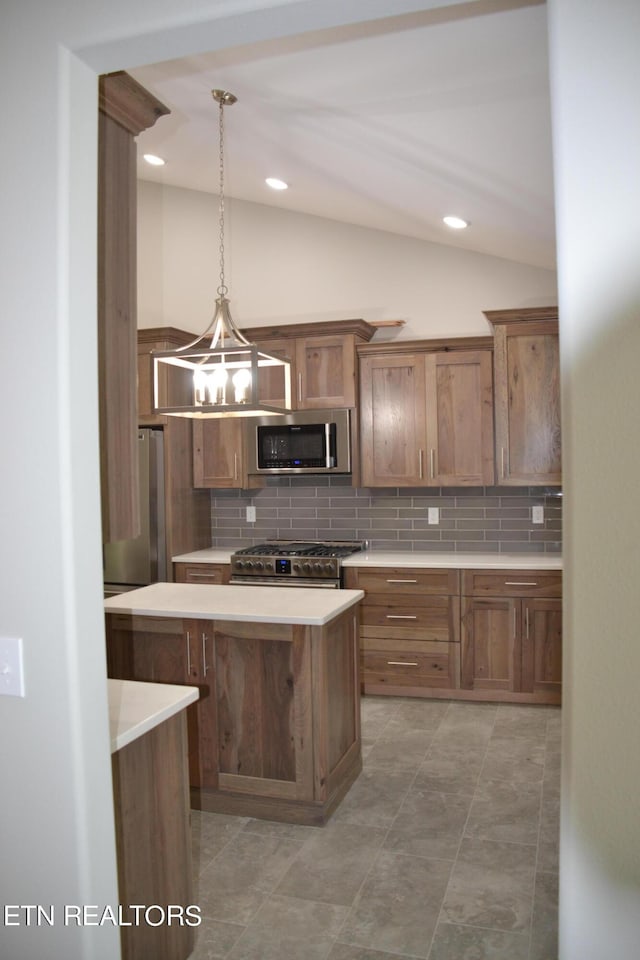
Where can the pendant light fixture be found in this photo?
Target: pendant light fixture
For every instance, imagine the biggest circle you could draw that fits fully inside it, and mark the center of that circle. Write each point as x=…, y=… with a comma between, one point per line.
x=216, y=375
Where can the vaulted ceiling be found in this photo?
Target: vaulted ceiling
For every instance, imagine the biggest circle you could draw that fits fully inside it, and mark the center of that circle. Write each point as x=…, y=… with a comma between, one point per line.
x=390, y=125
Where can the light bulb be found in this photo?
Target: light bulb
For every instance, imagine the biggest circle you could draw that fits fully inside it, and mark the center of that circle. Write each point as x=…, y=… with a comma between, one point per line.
x=200, y=387
x=241, y=383
x=217, y=382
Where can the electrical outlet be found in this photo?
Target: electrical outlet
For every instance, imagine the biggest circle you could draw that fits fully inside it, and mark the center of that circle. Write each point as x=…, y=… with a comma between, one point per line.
x=537, y=514
x=11, y=667
x=251, y=514
x=433, y=515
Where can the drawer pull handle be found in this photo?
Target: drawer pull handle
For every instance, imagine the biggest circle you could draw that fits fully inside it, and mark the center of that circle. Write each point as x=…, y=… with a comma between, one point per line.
x=401, y=663
x=199, y=576
x=401, y=616
x=402, y=581
x=521, y=583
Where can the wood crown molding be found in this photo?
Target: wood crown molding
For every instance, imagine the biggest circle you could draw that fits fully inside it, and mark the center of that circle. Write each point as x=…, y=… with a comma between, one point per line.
x=323, y=328
x=124, y=100
x=443, y=345
x=521, y=316
x=172, y=334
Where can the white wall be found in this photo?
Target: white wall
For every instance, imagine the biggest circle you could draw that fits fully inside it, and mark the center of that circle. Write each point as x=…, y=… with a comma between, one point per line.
x=310, y=268
x=595, y=92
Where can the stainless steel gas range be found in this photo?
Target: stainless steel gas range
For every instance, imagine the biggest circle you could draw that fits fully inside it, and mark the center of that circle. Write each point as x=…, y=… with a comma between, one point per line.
x=293, y=563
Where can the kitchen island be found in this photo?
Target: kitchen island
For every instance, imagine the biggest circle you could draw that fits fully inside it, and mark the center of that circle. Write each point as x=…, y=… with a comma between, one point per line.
x=151, y=811
x=276, y=730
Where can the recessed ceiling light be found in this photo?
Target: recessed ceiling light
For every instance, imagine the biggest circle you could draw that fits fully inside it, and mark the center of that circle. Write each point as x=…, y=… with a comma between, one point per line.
x=456, y=223
x=276, y=184
x=153, y=160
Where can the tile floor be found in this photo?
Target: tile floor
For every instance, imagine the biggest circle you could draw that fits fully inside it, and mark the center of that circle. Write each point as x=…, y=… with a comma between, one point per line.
x=445, y=848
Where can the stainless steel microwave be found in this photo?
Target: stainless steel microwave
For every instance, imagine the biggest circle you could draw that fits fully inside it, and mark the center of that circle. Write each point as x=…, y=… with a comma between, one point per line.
x=303, y=441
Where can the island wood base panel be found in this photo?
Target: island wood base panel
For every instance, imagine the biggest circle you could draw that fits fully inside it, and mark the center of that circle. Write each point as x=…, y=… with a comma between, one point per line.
x=275, y=733
x=307, y=813
x=153, y=839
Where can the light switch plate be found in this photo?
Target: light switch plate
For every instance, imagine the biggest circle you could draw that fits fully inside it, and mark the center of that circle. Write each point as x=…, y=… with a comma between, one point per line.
x=251, y=514
x=11, y=667
x=433, y=515
x=537, y=514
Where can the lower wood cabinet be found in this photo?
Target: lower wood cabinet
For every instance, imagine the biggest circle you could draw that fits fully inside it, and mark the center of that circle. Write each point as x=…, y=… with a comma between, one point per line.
x=153, y=840
x=168, y=650
x=461, y=634
x=512, y=634
x=202, y=572
x=276, y=732
x=410, y=629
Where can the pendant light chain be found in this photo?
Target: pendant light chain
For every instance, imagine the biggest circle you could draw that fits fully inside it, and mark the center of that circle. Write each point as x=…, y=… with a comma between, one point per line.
x=222, y=289
x=217, y=373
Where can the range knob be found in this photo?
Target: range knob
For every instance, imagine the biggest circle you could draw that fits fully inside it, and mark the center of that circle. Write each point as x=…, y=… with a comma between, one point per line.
x=239, y=564
x=296, y=567
x=306, y=567
x=259, y=565
x=327, y=569
x=248, y=565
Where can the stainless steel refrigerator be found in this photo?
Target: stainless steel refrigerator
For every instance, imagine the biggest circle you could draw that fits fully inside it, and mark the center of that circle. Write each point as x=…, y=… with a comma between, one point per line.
x=134, y=563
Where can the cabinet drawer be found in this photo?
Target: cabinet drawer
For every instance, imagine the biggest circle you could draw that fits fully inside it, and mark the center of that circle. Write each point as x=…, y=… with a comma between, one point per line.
x=405, y=580
x=406, y=664
x=419, y=618
x=202, y=572
x=512, y=583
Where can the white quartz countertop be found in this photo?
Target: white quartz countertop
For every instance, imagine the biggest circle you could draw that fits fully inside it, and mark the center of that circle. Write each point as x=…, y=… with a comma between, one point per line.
x=460, y=561
x=136, y=708
x=208, y=555
x=200, y=601
x=408, y=558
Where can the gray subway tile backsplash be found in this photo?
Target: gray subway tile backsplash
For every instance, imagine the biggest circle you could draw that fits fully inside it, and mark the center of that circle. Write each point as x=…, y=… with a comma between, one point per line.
x=472, y=519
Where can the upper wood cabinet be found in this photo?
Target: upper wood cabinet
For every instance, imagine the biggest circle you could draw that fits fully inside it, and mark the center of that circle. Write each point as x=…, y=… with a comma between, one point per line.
x=219, y=459
x=527, y=396
x=323, y=362
x=150, y=339
x=426, y=415
x=125, y=110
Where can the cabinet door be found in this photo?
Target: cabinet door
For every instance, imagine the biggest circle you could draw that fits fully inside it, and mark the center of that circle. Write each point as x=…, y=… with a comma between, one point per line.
x=326, y=372
x=393, y=421
x=490, y=644
x=459, y=402
x=167, y=650
x=542, y=648
x=271, y=379
x=527, y=384
x=263, y=692
x=218, y=452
